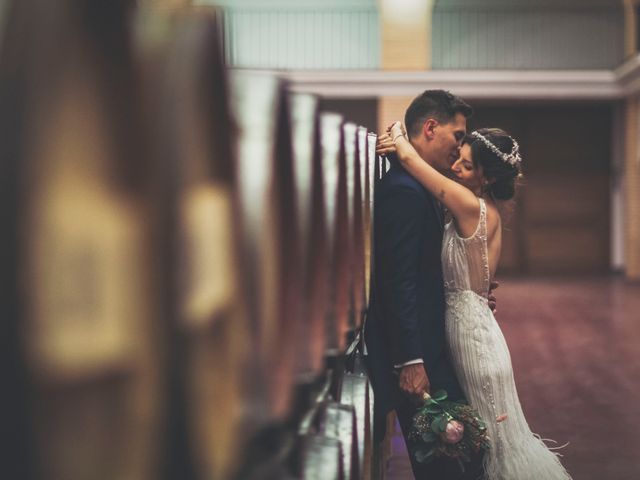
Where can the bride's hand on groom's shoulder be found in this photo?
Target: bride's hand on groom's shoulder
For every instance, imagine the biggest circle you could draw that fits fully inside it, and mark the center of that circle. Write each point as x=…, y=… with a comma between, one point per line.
x=413, y=380
x=384, y=144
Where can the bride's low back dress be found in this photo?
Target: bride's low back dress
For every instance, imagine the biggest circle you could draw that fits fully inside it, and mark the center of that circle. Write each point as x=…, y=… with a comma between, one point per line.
x=483, y=364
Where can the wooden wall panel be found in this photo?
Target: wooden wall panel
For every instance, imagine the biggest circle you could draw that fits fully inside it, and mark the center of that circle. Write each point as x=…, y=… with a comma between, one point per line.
x=560, y=220
x=363, y=111
x=564, y=249
x=535, y=35
x=632, y=187
x=567, y=224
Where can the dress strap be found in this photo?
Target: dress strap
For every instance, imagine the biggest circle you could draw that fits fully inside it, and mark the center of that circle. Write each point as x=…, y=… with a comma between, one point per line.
x=482, y=225
x=482, y=230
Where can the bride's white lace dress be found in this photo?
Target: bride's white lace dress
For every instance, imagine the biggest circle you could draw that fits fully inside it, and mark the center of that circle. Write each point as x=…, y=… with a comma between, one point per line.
x=483, y=364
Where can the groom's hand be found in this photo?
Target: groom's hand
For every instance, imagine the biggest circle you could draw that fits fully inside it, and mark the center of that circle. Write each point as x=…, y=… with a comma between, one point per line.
x=493, y=303
x=413, y=380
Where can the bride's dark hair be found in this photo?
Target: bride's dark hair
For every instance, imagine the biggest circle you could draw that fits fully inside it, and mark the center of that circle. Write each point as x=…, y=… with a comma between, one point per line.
x=502, y=175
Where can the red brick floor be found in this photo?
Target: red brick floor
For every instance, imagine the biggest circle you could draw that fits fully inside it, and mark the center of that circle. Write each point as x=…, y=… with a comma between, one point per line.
x=575, y=347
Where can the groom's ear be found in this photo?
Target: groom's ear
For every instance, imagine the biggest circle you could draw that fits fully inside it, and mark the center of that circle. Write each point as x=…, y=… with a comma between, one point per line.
x=428, y=128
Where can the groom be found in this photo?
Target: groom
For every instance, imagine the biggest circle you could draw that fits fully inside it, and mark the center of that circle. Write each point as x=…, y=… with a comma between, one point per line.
x=405, y=334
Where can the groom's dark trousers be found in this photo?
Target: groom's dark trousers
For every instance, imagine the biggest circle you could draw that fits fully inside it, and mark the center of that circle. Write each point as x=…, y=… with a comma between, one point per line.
x=406, y=311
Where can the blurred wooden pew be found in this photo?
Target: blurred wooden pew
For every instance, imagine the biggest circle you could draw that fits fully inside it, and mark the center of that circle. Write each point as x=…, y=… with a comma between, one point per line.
x=207, y=328
x=193, y=256
x=312, y=232
x=84, y=271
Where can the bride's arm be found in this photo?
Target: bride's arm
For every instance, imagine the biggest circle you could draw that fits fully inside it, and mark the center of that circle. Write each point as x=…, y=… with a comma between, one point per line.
x=459, y=200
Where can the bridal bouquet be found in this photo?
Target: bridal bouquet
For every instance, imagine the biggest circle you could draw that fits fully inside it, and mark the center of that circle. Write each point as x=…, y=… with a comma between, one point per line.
x=448, y=429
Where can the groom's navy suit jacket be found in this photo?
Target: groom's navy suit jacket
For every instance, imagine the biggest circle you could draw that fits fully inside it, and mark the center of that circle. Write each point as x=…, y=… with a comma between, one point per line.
x=406, y=311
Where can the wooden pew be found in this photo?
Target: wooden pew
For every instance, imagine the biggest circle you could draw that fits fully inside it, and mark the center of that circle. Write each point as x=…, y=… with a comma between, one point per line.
x=372, y=160
x=269, y=251
x=351, y=390
x=370, y=179
x=207, y=354
x=329, y=434
x=323, y=459
x=359, y=292
x=318, y=455
x=350, y=145
x=16, y=404
x=308, y=175
x=270, y=265
x=339, y=422
x=84, y=271
x=145, y=236
x=345, y=419
x=335, y=200
x=355, y=393
x=314, y=270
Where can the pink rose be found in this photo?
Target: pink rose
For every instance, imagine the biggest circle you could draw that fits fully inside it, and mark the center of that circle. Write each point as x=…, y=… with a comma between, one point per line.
x=453, y=433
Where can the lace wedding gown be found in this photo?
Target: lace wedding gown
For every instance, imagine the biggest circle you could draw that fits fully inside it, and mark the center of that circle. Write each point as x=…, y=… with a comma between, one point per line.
x=483, y=364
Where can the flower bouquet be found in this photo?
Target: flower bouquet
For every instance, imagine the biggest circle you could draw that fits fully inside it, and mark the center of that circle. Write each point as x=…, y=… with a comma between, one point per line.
x=448, y=429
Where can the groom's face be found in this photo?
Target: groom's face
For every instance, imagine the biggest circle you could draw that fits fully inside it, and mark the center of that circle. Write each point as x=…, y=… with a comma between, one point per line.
x=446, y=141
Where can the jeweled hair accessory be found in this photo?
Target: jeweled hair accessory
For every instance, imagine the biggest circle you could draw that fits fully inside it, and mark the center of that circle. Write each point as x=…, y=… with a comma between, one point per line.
x=512, y=158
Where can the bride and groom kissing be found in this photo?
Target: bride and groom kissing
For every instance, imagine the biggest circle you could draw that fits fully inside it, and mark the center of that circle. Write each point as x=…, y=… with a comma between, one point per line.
x=431, y=325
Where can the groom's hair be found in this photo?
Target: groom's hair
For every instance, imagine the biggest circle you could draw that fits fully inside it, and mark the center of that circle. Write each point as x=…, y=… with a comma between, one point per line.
x=438, y=104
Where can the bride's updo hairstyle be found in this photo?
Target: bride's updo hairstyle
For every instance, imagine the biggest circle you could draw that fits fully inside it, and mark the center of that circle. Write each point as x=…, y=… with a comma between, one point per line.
x=498, y=155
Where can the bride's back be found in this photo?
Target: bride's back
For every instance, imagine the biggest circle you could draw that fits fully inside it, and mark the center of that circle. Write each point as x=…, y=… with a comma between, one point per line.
x=469, y=263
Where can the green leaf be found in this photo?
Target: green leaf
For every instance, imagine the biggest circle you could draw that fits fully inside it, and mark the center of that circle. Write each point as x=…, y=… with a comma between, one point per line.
x=439, y=424
x=429, y=437
x=435, y=428
x=443, y=423
x=433, y=409
x=440, y=395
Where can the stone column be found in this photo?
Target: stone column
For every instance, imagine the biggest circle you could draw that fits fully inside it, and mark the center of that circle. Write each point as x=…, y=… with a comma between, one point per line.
x=630, y=27
x=405, y=27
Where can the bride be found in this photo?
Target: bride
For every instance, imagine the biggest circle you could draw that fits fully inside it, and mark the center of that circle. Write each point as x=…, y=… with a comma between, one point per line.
x=484, y=174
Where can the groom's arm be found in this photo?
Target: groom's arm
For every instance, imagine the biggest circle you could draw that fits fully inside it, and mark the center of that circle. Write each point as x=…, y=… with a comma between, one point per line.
x=398, y=224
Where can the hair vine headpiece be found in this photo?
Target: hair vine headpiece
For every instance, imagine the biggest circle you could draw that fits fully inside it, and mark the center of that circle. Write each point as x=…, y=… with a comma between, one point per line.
x=512, y=158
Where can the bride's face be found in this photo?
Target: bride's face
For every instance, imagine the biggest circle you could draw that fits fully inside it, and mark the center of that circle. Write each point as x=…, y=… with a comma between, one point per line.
x=465, y=173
